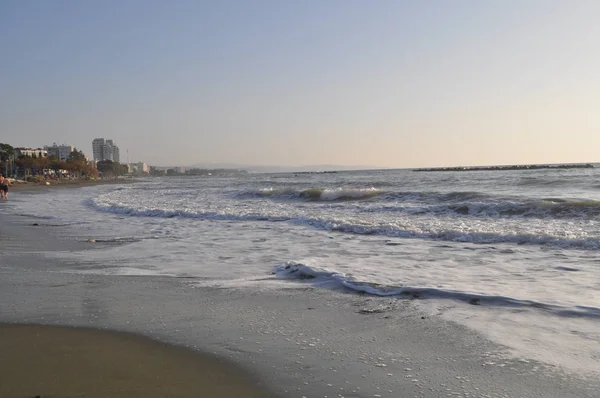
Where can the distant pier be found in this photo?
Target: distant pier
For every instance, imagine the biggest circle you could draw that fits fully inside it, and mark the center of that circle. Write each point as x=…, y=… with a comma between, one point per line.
x=514, y=167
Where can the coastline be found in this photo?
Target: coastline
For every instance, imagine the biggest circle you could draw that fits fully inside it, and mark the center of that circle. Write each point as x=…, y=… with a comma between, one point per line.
x=61, y=361
x=299, y=341
x=32, y=186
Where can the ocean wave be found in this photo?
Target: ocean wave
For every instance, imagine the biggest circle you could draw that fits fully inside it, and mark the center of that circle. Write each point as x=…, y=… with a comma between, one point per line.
x=325, y=278
x=36, y=216
x=542, y=209
x=544, y=182
x=313, y=194
x=358, y=193
x=433, y=197
x=455, y=232
x=182, y=213
x=471, y=204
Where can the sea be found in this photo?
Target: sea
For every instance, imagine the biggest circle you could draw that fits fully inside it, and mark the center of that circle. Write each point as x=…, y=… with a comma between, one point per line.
x=511, y=254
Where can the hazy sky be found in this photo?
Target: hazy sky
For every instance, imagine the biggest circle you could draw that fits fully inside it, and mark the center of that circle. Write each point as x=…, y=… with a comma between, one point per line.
x=382, y=83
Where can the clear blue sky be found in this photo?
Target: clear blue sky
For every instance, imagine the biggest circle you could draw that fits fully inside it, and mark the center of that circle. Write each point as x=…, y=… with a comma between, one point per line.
x=381, y=83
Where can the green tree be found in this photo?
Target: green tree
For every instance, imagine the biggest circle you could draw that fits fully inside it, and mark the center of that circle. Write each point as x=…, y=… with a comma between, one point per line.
x=41, y=163
x=76, y=156
x=25, y=163
x=77, y=164
x=7, y=153
x=106, y=167
x=110, y=168
x=56, y=164
x=155, y=172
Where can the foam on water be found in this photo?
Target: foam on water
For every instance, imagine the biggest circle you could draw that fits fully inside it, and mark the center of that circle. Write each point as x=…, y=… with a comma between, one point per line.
x=321, y=276
x=481, y=248
x=313, y=194
x=579, y=233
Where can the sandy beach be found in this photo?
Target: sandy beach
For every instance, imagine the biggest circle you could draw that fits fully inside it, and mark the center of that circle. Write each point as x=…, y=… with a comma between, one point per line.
x=50, y=361
x=56, y=361
x=325, y=199
x=295, y=342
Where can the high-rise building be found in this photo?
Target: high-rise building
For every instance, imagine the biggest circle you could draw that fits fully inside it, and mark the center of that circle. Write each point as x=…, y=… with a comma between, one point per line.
x=105, y=150
x=97, y=146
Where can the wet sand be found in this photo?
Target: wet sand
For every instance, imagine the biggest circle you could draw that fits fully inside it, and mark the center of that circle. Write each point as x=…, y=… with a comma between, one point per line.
x=51, y=361
x=297, y=340
x=32, y=186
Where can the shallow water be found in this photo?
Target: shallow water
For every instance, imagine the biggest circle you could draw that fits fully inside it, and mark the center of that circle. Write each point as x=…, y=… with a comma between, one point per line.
x=513, y=254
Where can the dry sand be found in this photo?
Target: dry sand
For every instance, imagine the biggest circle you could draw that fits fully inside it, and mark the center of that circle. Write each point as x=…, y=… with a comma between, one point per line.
x=50, y=361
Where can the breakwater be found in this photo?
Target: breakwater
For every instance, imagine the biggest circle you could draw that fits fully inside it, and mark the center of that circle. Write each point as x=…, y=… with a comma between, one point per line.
x=511, y=167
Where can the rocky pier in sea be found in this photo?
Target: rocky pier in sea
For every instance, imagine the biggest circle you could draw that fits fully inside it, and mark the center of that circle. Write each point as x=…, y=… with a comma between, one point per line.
x=512, y=167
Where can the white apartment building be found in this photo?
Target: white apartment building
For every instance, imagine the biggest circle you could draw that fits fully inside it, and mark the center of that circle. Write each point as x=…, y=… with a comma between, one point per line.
x=30, y=152
x=61, y=152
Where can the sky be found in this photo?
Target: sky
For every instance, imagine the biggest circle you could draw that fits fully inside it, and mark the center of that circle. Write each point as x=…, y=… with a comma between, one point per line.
x=377, y=83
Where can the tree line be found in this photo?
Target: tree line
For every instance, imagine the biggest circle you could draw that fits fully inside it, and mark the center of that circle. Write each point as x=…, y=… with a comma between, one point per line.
x=198, y=172
x=76, y=164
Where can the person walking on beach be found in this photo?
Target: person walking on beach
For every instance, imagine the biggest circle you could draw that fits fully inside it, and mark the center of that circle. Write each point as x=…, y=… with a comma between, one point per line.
x=3, y=187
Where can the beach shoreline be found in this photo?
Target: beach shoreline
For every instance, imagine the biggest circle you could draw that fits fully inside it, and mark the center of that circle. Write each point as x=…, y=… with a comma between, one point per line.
x=296, y=339
x=74, y=361
x=64, y=184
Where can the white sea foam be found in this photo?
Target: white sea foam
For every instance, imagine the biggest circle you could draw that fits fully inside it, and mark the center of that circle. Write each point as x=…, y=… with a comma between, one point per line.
x=561, y=332
x=486, y=294
x=312, y=194
x=471, y=245
x=579, y=233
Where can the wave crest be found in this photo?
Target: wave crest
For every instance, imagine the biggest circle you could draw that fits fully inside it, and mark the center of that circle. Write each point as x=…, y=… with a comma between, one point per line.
x=332, y=279
x=354, y=225
x=314, y=194
x=550, y=208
